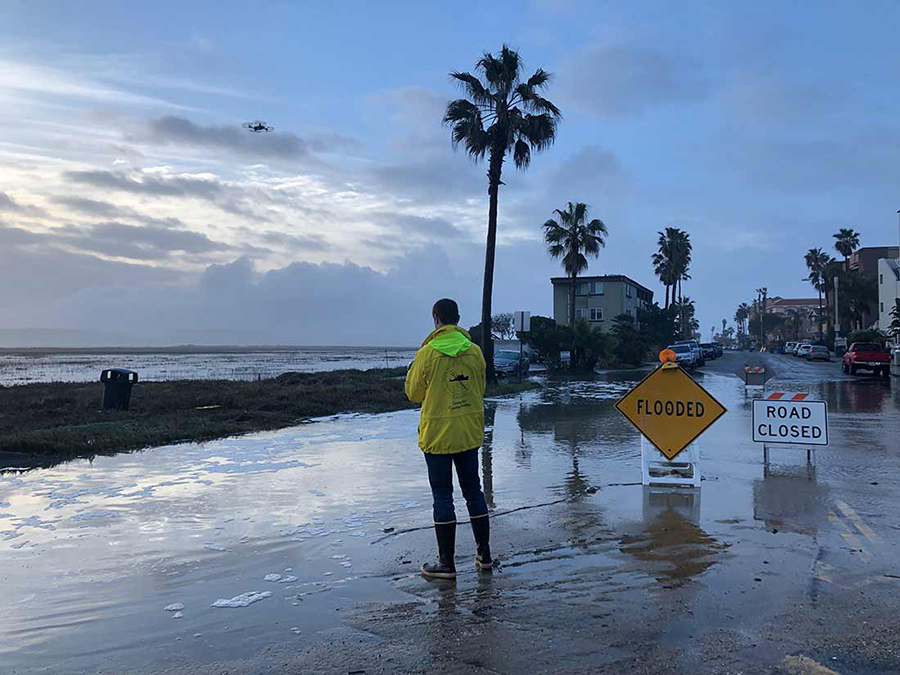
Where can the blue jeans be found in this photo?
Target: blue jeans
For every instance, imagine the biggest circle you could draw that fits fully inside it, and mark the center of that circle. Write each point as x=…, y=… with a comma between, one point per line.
x=440, y=475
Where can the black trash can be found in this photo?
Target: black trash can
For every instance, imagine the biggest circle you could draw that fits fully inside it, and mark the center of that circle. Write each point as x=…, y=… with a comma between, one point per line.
x=117, y=391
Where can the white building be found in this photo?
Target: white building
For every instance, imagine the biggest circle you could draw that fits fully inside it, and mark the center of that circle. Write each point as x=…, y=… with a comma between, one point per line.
x=888, y=290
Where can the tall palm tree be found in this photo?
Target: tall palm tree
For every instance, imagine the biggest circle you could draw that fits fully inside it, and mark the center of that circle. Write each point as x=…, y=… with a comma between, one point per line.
x=672, y=261
x=662, y=261
x=761, y=310
x=816, y=261
x=501, y=113
x=846, y=242
x=573, y=239
x=741, y=315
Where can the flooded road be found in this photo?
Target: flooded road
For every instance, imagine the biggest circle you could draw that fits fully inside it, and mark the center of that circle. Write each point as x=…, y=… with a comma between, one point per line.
x=324, y=526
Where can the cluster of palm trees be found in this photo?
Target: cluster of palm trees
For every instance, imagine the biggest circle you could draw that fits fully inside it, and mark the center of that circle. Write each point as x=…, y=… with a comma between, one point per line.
x=741, y=317
x=822, y=271
x=672, y=263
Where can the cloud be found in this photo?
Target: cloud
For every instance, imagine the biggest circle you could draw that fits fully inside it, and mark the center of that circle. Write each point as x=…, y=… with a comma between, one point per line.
x=169, y=130
x=93, y=207
x=101, y=209
x=229, y=198
x=40, y=82
x=138, y=242
x=626, y=80
x=418, y=226
x=10, y=205
x=292, y=242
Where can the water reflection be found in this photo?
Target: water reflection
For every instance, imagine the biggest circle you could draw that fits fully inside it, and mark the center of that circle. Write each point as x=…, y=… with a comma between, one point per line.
x=672, y=541
x=790, y=499
x=487, y=454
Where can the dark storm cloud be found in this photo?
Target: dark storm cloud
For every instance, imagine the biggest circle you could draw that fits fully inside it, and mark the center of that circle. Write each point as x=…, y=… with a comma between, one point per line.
x=293, y=242
x=16, y=236
x=149, y=184
x=624, y=80
x=10, y=205
x=418, y=226
x=139, y=242
x=7, y=203
x=230, y=199
x=170, y=130
x=101, y=209
x=92, y=207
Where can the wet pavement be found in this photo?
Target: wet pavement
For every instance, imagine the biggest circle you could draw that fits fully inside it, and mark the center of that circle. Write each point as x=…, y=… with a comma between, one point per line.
x=786, y=567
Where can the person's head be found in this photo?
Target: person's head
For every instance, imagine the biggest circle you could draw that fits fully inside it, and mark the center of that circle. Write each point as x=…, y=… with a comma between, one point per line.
x=445, y=313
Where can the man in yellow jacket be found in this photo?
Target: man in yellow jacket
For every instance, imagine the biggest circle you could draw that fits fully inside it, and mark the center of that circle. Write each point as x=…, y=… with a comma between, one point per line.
x=447, y=377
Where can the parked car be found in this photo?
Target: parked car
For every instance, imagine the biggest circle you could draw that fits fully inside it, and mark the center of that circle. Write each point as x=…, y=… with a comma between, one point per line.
x=684, y=355
x=866, y=356
x=709, y=350
x=803, y=350
x=506, y=362
x=790, y=347
x=720, y=349
x=698, y=352
x=818, y=353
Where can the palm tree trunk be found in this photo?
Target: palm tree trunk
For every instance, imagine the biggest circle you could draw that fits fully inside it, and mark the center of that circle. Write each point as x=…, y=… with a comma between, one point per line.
x=572, y=277
x=667, y=297
x=487, y=341
x=820, y=312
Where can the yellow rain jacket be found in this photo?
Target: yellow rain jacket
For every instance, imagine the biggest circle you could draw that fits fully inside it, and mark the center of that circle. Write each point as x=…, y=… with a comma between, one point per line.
x=447, y=377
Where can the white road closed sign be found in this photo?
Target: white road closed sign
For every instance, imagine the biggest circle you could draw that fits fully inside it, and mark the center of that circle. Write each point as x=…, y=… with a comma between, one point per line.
x=790, y=418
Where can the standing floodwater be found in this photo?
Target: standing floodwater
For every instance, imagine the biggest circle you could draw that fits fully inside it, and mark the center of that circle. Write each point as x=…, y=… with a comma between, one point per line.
x=295, y=540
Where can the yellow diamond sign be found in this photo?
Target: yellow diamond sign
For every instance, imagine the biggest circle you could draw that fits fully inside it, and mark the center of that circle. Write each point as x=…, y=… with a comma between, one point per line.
x=670, y=409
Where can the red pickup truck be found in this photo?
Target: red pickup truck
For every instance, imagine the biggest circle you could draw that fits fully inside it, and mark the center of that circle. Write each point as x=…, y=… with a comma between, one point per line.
x=866, y=356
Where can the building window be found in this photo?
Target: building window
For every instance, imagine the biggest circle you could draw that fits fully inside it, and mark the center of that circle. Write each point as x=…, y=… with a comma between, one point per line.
x=882, y=307
x=596, y=314
x=596, y=288
x=628, y=312
x=582, y=288
x=628, y=290
x=580, y=313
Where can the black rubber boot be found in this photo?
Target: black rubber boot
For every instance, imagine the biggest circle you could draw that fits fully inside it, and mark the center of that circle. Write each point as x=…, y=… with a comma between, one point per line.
x=446, y=541
x=481, y=528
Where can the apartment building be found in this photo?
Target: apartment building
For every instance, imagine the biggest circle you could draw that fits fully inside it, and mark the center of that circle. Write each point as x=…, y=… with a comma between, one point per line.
x=888, y=291
x=599, y=299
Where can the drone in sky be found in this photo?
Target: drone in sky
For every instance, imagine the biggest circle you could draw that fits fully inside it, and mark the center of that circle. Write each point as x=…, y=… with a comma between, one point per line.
x=258, y=127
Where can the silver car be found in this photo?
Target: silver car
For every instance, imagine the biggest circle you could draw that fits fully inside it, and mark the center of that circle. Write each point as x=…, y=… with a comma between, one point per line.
x=684, y=355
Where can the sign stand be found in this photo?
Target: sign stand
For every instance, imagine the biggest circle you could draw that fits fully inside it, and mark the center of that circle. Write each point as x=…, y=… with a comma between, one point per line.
x=656, y=469
x=790, y=418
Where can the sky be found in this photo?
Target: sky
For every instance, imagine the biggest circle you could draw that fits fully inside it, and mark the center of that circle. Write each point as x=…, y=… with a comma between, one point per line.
x=135, y=210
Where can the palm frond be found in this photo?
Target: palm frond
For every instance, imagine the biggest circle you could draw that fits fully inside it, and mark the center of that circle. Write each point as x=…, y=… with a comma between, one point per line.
x=521, y=154
x=539, y=80
x=474, y=88
x=538, y=130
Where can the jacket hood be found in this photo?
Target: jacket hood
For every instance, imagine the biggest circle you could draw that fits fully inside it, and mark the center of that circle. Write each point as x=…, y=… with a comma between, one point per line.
x=449, y=340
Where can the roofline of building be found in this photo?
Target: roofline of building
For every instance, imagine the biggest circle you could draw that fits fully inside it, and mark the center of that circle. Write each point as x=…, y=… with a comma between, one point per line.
x=602, y=277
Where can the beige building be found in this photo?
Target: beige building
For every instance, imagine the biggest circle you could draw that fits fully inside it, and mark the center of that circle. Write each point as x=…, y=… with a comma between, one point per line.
x=805, y=309
x=599, y=300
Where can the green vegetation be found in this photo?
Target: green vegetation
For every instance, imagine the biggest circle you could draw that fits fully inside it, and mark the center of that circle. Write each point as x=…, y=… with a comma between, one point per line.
x=502, y=113
x=64, y=419
x=628, y=344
